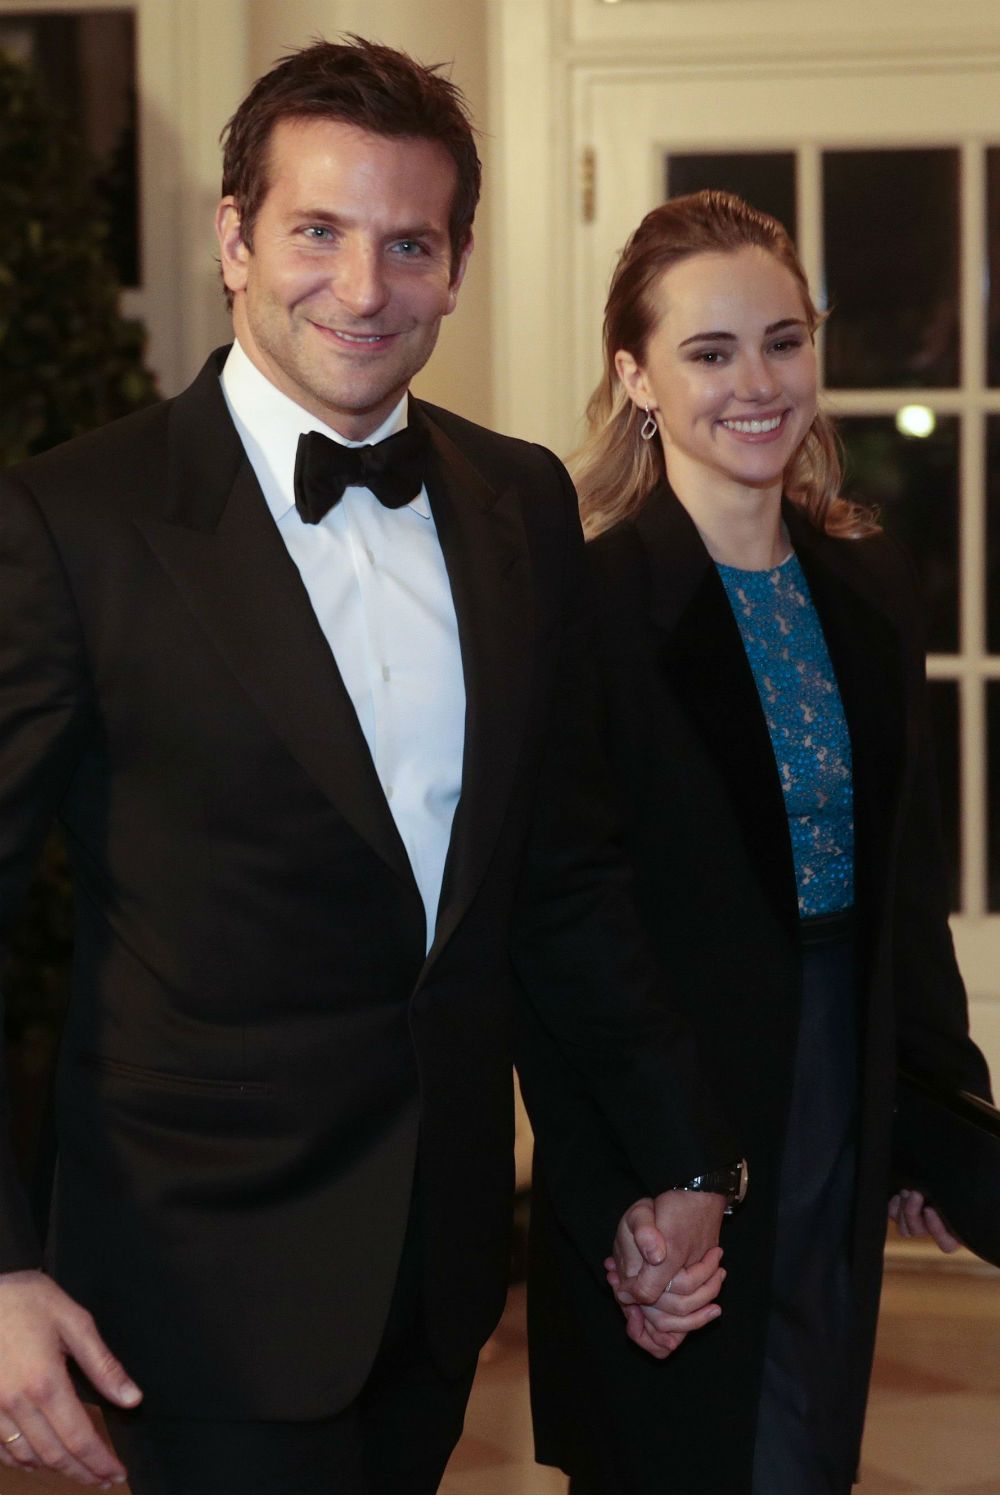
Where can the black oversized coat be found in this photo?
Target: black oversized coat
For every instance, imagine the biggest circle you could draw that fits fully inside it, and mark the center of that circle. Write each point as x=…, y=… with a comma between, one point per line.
x=715, y=884
x=259, y=1056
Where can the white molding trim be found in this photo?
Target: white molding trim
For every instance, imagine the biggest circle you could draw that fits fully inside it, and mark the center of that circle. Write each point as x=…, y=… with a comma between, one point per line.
x=736, y=56
x=756, y=27
x=522, y=82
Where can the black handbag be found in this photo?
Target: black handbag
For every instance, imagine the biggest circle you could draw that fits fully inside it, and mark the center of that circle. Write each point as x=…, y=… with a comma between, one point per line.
x=946, y=1144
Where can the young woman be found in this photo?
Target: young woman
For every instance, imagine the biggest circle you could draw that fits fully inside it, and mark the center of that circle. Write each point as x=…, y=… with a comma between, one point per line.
x=764, y=678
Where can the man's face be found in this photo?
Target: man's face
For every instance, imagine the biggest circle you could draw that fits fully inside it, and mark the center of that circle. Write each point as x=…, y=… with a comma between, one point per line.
x=340, y=300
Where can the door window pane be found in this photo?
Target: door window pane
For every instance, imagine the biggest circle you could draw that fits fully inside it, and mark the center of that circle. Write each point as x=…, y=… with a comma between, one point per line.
x=913, y=484
x=766, y=179
x=943, y=708
x=891, y=252
x=993, y=263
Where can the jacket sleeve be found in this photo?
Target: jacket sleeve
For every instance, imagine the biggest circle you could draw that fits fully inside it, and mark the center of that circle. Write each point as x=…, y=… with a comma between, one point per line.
x=608, y=1069
x=44, y=695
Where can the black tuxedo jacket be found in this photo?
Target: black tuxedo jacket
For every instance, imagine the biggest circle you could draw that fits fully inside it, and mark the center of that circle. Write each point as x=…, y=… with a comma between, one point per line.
x=259, y=1059
x=708, y=837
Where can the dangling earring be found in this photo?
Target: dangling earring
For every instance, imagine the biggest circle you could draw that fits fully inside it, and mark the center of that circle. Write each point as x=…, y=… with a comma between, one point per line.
x=648, y=428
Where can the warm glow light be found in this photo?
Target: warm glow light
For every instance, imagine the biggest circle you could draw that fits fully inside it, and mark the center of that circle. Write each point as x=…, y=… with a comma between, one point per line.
x=915, y=421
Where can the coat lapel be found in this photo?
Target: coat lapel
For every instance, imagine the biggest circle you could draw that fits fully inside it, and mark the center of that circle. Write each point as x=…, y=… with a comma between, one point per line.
x=703, y=658
x=485, y=550
x=219, y=544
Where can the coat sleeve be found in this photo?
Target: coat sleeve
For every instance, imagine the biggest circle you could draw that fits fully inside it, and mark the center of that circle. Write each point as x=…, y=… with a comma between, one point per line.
x=930, y=1000
x=609, y=1071
x=44, y=694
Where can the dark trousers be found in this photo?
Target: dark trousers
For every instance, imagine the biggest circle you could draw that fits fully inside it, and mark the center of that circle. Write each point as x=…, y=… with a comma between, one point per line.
x=801, y=1448
x=394, y=1439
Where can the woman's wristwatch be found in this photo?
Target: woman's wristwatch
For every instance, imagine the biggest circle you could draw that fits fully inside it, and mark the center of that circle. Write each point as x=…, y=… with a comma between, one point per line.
x=730, y=1181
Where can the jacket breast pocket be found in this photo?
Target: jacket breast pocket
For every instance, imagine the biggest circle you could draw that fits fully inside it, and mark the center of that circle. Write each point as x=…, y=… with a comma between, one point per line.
x=153, y=1078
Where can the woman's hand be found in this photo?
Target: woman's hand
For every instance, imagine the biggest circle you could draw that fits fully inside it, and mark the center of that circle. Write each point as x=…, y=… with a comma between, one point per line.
x=915, y=1217
x=687, y=1303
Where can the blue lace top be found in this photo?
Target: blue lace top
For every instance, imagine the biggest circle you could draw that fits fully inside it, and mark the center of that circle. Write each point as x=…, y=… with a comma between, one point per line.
x=798, y=692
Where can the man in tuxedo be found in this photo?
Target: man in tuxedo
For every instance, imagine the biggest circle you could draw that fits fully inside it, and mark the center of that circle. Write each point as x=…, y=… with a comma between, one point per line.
x=301, y=663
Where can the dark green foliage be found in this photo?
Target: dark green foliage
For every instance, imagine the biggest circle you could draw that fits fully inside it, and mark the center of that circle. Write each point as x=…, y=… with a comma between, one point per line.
x=68, y=360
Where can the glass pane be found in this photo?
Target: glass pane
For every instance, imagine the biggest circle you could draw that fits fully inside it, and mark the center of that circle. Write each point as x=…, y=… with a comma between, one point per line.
x=891, y=252
x=993, y=534
x=943, y=706
x=913, y=484
x=766, y=179
x=993, y=253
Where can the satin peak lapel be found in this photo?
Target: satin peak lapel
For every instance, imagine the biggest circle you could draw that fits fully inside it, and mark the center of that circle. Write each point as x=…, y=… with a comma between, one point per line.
x=485, y=550
x=223, y=551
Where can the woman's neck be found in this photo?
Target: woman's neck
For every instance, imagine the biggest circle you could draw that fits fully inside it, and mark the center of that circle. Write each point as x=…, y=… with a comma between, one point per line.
x=740, y=526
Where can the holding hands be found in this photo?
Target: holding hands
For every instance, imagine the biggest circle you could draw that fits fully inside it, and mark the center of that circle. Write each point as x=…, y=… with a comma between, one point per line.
x=666, y=1267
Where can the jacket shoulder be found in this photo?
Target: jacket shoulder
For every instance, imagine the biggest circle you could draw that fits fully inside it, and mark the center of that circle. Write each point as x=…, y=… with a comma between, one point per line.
x=114, y=462
x=495, y=454
x=619, y=569
x=886, y=570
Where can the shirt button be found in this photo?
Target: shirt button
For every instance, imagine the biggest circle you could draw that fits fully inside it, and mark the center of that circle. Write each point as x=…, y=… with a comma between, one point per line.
x=389, y=791
x=386, y=674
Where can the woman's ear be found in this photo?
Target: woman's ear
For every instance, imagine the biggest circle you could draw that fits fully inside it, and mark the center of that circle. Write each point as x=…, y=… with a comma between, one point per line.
x=633, y=378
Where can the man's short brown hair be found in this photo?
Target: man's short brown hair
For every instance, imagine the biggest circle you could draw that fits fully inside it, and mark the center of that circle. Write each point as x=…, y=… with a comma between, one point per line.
x=363, y=83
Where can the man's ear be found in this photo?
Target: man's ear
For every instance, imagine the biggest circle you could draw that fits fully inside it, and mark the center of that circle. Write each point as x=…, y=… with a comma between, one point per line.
x=633, y=378
x=460, y=269
x=234, y=254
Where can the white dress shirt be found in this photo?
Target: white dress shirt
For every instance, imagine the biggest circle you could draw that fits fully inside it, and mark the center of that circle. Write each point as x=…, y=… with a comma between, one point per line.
x=377, y=582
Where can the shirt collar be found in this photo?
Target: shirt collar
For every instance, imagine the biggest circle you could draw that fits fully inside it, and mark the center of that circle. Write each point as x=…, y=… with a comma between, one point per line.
x=270, y=423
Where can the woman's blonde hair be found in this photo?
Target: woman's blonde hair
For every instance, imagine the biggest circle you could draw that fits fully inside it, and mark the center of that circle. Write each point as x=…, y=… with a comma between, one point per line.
x=615, y=469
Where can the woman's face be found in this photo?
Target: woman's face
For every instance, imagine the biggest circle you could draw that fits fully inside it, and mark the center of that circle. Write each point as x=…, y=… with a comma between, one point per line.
x=729, y=370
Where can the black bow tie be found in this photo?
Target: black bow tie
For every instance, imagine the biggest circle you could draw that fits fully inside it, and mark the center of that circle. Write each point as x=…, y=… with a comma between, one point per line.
x=393, y=470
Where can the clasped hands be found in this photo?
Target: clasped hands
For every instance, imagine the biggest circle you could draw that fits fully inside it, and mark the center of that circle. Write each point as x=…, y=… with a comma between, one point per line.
x=666, y=1267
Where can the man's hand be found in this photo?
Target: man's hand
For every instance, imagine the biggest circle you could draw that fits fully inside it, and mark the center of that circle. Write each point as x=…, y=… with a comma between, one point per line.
x=915, y=1217
x=665, y=1268
x=40, y=1326
x=657, y=1237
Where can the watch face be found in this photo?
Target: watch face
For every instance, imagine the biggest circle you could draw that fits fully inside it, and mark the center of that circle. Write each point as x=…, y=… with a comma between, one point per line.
x=743, y=1180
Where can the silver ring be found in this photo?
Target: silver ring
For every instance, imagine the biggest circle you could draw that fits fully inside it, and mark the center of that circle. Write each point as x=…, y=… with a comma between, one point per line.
x=12, y=1439
x=671, y=1281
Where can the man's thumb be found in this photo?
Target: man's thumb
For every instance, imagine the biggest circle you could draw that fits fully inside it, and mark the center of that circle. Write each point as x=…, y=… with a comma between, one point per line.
x=97, y=1362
